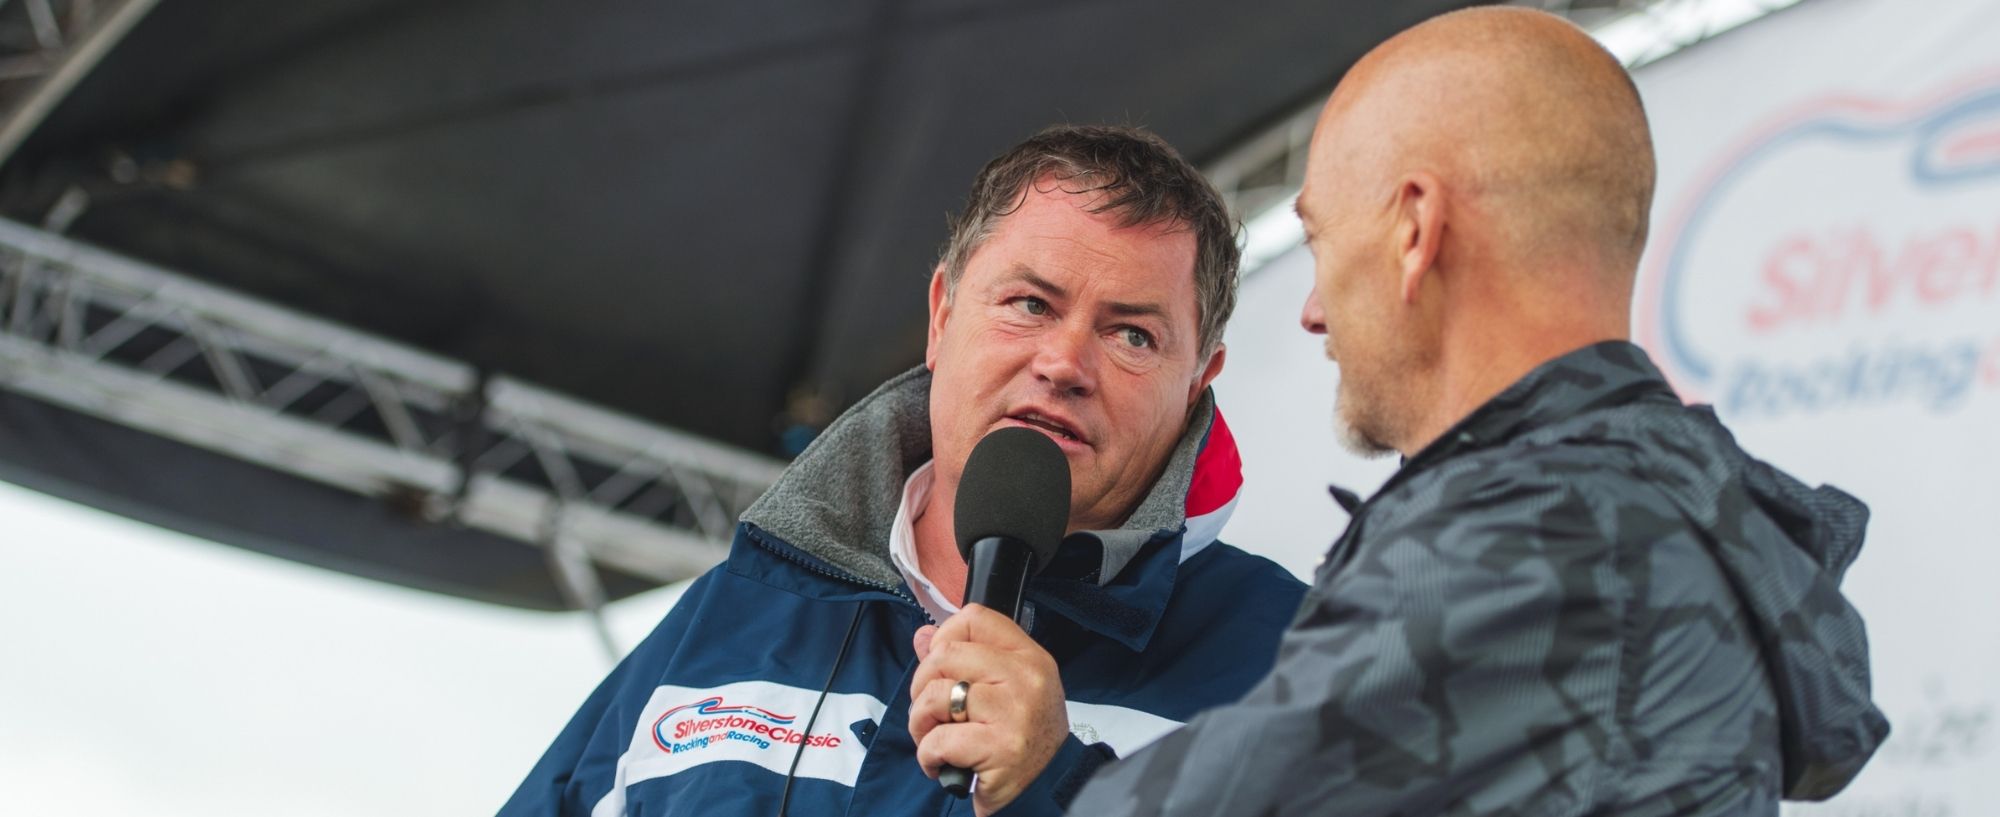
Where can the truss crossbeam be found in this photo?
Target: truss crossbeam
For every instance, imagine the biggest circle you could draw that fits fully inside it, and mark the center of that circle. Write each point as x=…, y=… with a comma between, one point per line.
x=124, y=341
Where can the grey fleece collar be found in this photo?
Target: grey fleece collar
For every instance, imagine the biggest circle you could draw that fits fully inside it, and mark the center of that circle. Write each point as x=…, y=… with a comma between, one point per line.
x=837, y=501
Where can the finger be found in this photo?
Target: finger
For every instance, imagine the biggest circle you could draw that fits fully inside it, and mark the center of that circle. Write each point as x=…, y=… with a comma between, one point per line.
x=984, y=625
x=963, y=660
x=932, y=708
x=965, y=745
x=921, y=642
x=981, y=749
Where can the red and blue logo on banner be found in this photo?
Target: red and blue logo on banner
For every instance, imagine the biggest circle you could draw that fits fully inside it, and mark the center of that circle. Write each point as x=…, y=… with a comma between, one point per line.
x=1848, y=255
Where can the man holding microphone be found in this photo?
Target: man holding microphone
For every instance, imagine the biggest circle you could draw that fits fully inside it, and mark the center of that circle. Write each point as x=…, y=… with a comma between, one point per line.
x=1082, y=295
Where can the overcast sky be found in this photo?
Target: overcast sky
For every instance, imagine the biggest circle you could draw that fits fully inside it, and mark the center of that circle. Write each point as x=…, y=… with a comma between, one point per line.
x=146, y=672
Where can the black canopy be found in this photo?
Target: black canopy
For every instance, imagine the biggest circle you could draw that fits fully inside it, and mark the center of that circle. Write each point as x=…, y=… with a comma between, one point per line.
x=695, y=213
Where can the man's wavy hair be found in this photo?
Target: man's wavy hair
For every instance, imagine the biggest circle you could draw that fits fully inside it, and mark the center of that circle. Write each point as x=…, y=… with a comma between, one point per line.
x=1136, y=175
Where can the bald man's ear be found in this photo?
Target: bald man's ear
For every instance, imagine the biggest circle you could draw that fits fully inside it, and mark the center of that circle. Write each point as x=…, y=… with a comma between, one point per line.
x=1420, y=216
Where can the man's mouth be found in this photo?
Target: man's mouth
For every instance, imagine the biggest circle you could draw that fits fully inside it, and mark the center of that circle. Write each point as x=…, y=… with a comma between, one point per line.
x=1055, y=427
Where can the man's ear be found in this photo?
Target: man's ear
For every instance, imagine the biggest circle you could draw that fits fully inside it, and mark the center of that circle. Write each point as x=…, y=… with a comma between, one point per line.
x=1419, y=211
x=940, y=312
x=1208, y=372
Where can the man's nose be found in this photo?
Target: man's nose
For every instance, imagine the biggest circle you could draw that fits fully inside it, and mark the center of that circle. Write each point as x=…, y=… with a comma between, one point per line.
x=1312, y=317
x=1067, y=361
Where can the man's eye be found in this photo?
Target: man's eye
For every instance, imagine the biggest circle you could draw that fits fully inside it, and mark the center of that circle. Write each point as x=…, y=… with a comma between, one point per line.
x=1136, y=338
x=1032, y=306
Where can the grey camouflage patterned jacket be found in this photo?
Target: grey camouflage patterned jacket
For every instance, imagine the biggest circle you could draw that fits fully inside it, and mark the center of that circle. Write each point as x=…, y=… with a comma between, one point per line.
x=1582, y=599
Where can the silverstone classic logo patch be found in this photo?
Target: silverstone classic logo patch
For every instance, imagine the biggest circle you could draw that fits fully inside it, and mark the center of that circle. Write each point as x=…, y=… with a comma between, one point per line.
x=763, y=724
x=1845, y=256
x=700, y=725
x=747, y=726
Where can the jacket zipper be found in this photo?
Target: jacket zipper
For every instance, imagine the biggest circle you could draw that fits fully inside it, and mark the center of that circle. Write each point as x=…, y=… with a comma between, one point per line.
x=757, y=535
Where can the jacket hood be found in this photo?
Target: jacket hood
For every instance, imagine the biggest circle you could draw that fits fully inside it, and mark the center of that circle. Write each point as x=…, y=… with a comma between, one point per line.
x=1785, y=548
x=838, y=500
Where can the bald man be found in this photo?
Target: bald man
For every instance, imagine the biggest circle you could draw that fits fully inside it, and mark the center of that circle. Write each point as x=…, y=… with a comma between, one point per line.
x=1577, y=596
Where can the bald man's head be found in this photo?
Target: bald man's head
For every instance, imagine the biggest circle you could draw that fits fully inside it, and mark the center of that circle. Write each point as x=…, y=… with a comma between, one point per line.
x=1521, y=114
x=1476, y=200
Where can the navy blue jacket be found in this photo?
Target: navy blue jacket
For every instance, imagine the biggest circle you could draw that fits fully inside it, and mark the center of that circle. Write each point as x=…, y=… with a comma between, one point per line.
x=797, y=649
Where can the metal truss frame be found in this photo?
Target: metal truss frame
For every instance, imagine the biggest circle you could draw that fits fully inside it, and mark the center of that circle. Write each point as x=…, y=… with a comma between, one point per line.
x=46, y=48
x=125, y=341
x=128, y=342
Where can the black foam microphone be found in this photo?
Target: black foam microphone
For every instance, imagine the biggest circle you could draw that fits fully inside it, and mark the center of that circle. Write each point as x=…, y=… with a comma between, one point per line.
x=1009, y=516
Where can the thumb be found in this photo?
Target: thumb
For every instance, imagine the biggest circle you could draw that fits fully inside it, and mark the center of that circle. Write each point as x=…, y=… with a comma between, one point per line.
x=921, y=642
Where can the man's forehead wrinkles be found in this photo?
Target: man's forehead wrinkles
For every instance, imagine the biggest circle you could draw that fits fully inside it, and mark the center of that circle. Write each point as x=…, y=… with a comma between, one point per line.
x=1088, y=246
x=1124, y=275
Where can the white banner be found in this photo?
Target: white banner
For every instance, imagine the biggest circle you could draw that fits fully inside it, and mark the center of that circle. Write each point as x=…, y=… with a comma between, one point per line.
x=1825, y=268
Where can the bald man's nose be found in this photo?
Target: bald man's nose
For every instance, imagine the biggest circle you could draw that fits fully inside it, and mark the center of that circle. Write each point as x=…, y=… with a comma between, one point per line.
x=1312, y=317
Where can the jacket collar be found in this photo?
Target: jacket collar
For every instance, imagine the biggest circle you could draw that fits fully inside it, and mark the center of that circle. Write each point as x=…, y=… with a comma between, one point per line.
x=1610, y=373
x=836, y=503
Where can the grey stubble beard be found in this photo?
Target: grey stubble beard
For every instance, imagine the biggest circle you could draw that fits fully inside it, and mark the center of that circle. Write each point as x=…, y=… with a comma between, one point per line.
x=1351, y=430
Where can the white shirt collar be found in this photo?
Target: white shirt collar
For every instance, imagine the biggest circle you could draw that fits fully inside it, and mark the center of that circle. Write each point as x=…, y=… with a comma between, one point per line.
x=903, y=545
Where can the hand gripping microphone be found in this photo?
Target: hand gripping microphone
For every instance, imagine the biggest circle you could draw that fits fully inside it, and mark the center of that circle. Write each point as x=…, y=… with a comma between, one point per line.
x=1010, y=514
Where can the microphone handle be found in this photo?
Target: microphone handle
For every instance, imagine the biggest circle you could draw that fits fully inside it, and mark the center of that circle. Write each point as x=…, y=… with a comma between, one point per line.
x=996, y=575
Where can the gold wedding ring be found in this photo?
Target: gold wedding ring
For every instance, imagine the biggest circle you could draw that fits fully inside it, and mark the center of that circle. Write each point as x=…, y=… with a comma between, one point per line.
x=958, y=692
